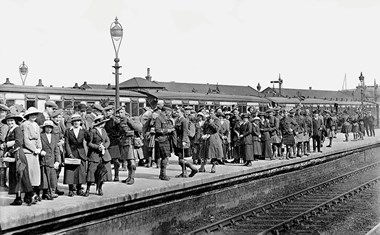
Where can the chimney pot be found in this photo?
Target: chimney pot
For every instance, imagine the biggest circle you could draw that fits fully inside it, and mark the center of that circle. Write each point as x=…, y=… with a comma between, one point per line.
x=40, y=83
x=7, y=82
x=310, y=87
x=148, y=77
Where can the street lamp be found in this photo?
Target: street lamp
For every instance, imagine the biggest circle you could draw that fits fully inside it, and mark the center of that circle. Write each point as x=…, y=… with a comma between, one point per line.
x=23, y=69
x=361, y=79
x=116, y=31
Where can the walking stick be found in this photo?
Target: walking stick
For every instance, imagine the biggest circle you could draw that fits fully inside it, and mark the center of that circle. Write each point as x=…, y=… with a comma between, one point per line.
x=183, y=162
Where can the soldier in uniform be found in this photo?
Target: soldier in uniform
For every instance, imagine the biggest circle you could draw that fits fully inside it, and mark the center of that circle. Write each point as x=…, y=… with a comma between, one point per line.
x=59, y=132
x=182, y=144
x=274, y=123
x=308, y=130
x=330, y=126
x=371, y=123
x=112, y=128
x=299, y=138
x=50, y=106
x=287, y=127
x=162, y=146
x=346, y=127
x=127, y=133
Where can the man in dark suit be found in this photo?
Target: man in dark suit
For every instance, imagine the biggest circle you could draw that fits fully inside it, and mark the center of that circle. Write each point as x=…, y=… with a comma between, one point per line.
x=317, y=132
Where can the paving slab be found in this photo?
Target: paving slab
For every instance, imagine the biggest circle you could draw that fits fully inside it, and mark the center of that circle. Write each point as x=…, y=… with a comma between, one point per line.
x=147, y=184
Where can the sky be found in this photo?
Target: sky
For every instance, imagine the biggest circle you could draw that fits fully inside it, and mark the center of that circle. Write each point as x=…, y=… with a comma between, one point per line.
x=311, y=43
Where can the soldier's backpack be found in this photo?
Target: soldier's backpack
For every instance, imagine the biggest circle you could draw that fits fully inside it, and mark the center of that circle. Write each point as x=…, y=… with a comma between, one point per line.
x=191, y=129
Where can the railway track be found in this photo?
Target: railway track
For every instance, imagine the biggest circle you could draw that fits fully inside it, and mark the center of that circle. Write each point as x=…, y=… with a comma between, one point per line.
x=288, y=212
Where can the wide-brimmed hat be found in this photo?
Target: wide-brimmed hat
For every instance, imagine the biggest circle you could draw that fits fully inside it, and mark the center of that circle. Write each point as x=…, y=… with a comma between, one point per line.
x=4, y=107
x=56, y=113
x=30, y=111
x=47, y=123
x=99, y=120
x=201, y=114
x=16, y=117
x=256, y=119
x=75, y=117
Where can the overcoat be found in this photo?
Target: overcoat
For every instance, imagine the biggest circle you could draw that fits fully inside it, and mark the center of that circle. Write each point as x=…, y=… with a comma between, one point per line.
x=19, y=167
x=74, y=146
x=214, y=148
x=32, y=141
x=246, y=141
x=95, y=156
x=48, y=173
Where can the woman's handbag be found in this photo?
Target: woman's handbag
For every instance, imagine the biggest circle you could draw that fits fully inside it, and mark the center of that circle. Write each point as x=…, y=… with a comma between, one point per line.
x=72, y=161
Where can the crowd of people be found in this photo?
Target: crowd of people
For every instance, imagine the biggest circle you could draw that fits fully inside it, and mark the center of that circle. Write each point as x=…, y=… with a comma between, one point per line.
x=87, y=141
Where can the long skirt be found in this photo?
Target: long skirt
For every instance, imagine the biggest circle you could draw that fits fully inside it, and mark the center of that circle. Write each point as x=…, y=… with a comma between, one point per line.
x=114, y=151
x=22, y=184
x=257, y=150
x=248, y=152
x=48, y=177
x=75, y=174
x=214, y=147
x=34, y=169
x=267, y=150
x=92, y=166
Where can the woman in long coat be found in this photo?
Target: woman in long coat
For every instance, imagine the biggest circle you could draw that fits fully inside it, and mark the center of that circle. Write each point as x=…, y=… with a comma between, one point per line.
x=256, y=138
x=98, y=154
x=19, y=181
x=246, y=142
x=213, y=145
x=32, y=148
x=75, y=138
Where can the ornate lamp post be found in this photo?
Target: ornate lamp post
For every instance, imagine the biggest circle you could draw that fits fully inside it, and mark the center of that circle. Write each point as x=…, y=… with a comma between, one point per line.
x=23, y=69
x=258, y=89
x=361, y=79
x=116, y=31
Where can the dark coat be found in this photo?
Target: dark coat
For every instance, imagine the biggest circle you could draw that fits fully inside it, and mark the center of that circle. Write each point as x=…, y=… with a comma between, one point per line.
x=182, y=130
x=246, y=130
x=51, y=149
x=95, y=139
x=75, y=148
x=317, y=127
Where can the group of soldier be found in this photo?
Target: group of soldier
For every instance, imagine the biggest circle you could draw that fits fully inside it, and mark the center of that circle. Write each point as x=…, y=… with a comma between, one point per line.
x=86, y=140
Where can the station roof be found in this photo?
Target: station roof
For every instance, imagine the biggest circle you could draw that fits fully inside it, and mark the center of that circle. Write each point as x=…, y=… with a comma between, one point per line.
x=170, y=95
x=138, y=83
x=204, y=88
x=307, y=93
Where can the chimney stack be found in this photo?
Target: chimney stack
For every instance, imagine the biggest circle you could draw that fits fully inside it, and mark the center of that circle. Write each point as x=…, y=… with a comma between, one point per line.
x=76, y=86
x=7, y=82
x=148, y=77
x=310, y=87
x=40, y=83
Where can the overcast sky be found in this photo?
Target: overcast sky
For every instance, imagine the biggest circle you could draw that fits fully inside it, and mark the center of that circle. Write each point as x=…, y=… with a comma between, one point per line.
x=312, y=43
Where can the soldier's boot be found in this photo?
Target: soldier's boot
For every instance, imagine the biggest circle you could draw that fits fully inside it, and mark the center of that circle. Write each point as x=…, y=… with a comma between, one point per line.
x=159, y=162
x=181, y=162
x=202, y=168
x=149, y=162
x=163, y=175
x=193, y=169
x=213, y=170
x=116, y=166
x=132, y=175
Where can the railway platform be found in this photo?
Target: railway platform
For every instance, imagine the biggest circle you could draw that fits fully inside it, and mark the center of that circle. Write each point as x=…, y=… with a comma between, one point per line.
x=147, y=190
